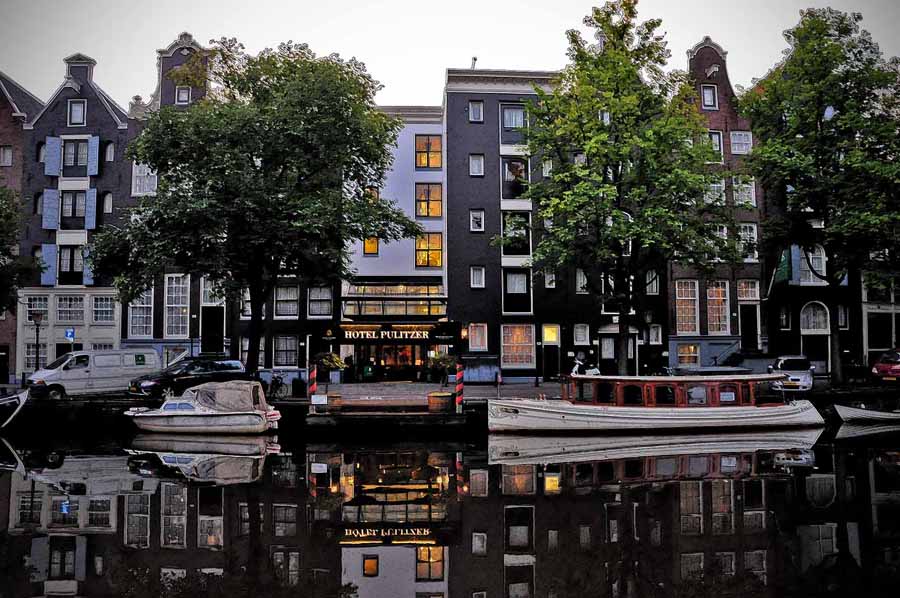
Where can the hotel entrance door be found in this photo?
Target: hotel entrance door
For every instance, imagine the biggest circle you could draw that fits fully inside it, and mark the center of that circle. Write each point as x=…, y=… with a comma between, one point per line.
x=389, y=362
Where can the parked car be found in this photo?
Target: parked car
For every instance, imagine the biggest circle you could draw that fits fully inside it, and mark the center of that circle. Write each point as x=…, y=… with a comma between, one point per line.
x=92, y=372
x=186, y=373
x=798, y=370
x=887, y=368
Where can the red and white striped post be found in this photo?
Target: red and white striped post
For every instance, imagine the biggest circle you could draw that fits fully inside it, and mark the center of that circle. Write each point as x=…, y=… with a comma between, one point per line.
x=311, y=386
x=459, y=386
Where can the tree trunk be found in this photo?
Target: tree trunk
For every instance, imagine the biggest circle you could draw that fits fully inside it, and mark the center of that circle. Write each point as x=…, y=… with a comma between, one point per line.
x=622, y=339
x=837, y=362
x=255, y=330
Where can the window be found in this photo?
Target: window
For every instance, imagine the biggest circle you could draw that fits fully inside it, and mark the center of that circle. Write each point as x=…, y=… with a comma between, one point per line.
x=176, y=304
x=476, y=221
x=478, y=337
x=429, y=250
x=211, y=292
x=549, y=280
x=814, y=318
x=70, y=308
x=370, y=246
x=652, y=282
x=479, y=543
x=513, y=117
x=98, y=512
x=517, y=350
x=428, y=200
x=143, y=180
x=516, y=234
x=722, y=506
x=843, y=317
x=286, y=564
x=686, y=307
x=35, y=357
x=607, y=347
x=516, y=283
x=716, y=193
x=476, y=277
x=579, y=158
x=245, y=348
x=784, y=318
x=717, y=308
x=429, y=563
x=284, y=520
x=518, y=479
x=370, y=565
x=77, y=113
x=244, y=518
x=476, y=111
x=715, y=139
x=174, y=516
x=319, y=302
x=73, y=204
x=747, y=289
x=64, y=512
x=476, y=164
x=748, y=241
x=38, y=207
x=37, y=304
x=104, y=309
x=75, y=153
x=584, y=536
x=62, y=563
x=547, y=168
x=107, y=203
x=41, y=152
x=140, y=315
x=104, y=347
x=137, y=520
x=688, y=354
x=109, y=152
x=710, y=97
x=691, y=565
x=428, y=151
x=182, y=95
x=817, y=260
x=582, y=334
x=744, y=191
x=581, y=283
x=755, y=560
x=655, y=334
x=286, y=351
x=741, y=142
x=287, y=301
x=6, y=155
x=478, y=483
x=515, y=178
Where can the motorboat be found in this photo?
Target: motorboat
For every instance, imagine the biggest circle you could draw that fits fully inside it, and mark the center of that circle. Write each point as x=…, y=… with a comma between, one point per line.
x=592, y=403
x=861, y=415
x=235, y=407
x=866, y=428
x=10, y=407
x=508, y=449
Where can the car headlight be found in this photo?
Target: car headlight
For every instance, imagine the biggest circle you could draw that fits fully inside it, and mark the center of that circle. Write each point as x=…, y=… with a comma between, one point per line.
x=148, y=383
x=37, y=382
x=874, y=370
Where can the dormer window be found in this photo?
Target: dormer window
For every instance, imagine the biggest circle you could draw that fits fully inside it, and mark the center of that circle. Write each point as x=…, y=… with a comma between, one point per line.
x=77, y=113
x=182, y=95
x=709, y=95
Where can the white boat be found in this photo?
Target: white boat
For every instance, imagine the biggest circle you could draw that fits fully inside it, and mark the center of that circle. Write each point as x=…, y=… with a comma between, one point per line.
x=652, y=403
x=508, y=449
x=10, y=407
x=856, y=414
x=236, y=407
x=861, y=429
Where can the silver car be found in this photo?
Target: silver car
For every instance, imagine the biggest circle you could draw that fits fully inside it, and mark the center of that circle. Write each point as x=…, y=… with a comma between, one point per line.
x=798, y=370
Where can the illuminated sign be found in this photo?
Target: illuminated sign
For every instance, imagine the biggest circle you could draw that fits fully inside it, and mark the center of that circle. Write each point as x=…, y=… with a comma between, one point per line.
x=439, y=333
x=386, y=334
x=378, y=534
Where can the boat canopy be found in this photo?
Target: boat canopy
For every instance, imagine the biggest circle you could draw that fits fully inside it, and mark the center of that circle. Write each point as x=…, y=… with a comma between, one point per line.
x=237, y=395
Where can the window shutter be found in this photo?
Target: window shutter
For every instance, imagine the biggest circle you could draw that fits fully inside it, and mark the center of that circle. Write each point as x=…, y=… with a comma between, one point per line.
x=80, y=557
x=796, y=258
x=50, y=209
x=87, y=273
x=40, y=558
x=48, y=256
x=93, y=165
x=53, y=156
x=90, y=209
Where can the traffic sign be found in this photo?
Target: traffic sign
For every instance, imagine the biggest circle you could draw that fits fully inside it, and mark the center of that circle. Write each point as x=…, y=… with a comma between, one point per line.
x=70, y=335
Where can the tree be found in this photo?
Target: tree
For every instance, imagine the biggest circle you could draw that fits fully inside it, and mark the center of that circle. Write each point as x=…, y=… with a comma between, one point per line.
x=827, y=121
x=15, y=271
x=271, y=175
x=629, y=152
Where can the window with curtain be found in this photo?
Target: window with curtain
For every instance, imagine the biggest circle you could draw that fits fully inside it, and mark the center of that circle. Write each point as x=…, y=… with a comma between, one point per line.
x=513, y=117
x=518, y=346
x=686, y=321
x=717, y=309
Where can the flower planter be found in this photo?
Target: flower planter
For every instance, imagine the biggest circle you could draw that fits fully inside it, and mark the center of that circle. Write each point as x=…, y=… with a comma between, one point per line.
x=441, y=402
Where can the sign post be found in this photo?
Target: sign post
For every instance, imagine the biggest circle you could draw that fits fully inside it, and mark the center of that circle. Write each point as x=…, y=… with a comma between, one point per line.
x=70, y=336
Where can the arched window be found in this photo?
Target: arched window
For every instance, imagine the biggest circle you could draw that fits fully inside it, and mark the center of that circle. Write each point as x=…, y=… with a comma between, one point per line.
x=626, y=250
x=41, y=152
x=107, y=203
x=814, y=318
x=38, y=207
x=110, y=155
x=817, y=259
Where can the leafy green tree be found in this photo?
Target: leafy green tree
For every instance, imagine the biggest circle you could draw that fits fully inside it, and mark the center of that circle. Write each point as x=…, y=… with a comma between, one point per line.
x=270, y=175
x=629, y=153
x=827, y=123
x=15, y=270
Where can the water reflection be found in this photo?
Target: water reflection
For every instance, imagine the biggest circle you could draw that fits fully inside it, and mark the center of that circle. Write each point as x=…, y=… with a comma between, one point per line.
x=780, y=513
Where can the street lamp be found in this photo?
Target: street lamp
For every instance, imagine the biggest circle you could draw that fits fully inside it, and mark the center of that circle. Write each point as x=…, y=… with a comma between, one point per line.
x=37, y=317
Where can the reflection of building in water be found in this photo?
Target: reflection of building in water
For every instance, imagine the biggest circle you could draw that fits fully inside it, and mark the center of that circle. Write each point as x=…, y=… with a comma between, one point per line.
x=630, y=527
x=82, y=525
x=394, y=514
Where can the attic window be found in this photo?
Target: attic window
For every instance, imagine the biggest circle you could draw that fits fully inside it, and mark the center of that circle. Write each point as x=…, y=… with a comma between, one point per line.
x=710, y=97
x=77, y=110
x=182, y=95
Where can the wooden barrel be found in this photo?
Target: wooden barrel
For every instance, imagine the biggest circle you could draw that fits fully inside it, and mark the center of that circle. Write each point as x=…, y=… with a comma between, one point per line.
x=440, y=402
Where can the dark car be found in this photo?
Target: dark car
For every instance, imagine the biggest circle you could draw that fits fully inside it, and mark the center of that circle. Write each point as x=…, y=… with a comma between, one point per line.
x=887, y=368
x=186, y=373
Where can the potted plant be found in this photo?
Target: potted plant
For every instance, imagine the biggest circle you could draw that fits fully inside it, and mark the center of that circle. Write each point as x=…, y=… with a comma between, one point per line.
x=331, y=363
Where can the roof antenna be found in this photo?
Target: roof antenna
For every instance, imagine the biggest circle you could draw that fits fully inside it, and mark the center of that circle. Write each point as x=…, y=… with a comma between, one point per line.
x=474, y=60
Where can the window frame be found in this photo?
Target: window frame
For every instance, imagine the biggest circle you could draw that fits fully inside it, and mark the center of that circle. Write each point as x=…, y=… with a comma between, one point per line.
x=652, y=282
x=132, y=305
x=428, y=201
x=143, y=171
x=167, y=305
x=472, y=227
x=715, y=96
x=472, y=279
x=714, y=285
x=179, y=88
x=427, y=152
x=750, y=184
x=318, y=300
x=503, y=348
x=111, y=309
x=480, y=105
x=581, y=289
x=753, y=256
x=480, y=347
x=69, y=104
x=367, y=247
x=683, y=284
x=748, y=142
x=277, y=301
x=428, y=250
x=473, y=161
x=716, y=132
x=6, y=150
x=586, y=329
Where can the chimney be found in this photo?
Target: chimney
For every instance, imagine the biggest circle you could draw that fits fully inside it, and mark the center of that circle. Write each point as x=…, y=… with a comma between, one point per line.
x=474, y=60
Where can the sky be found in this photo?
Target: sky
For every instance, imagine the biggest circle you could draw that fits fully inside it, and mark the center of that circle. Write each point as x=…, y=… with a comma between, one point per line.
x=406, y=45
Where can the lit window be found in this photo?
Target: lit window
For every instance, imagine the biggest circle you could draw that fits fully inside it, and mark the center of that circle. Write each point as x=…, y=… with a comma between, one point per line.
x=686, y=307
x=176, y=305
x=429, y=563
x=182, y=95
x=476, y=111
x=715, y=140
x=688, y=354
x=476, y=164
x=429, y=250
x=550, y=334
x=428, y=200
x=428, y=151
x=478, y=337
x=717, y=307
x=741, y=142
x=517, y=350
x=370, y=246
x=476, y=221
x=370, y=565
x=518, y=479
x=582, y=334
x=710, y=97
x=476, y=277
x=77, y=110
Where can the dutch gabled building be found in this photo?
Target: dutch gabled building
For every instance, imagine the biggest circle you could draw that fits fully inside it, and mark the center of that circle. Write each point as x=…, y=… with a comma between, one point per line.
x=17, y=105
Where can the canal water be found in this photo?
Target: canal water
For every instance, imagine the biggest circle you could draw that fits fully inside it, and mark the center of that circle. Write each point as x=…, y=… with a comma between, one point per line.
x=100, y=512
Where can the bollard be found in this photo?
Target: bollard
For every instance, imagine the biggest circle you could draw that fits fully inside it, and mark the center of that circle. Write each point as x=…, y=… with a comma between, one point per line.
x=459, y=386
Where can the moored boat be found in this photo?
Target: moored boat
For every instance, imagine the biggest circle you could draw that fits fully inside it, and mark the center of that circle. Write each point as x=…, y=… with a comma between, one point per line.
x=606, y=403
x=236, y=407
x=857, y=414
x=10, y=407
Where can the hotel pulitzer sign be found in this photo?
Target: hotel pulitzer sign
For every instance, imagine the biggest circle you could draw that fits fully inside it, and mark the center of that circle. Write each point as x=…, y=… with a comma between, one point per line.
x=440, y=333
x=379, y=335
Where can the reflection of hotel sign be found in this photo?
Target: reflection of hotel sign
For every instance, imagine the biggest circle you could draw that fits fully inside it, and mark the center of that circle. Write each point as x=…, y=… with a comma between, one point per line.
x=381, y=533
x=386, y=334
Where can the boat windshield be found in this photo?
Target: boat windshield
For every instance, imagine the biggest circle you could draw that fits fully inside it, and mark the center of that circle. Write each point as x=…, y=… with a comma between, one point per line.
x=170, y=407
x=58, y=363
x=794, y=365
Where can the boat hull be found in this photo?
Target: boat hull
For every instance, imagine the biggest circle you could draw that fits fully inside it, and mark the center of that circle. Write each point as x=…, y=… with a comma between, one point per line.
x=10, y=407
x=562, y=416
x=854, y=414
x=225, y=423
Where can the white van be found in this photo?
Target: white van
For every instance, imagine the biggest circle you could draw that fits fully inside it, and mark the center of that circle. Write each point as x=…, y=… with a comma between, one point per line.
x=92, y=372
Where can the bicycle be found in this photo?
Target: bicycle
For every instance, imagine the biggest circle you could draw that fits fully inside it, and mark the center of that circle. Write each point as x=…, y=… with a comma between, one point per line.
x=277, y=388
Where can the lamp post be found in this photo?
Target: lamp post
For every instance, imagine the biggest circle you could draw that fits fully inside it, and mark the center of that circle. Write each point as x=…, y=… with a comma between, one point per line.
x=37, y=317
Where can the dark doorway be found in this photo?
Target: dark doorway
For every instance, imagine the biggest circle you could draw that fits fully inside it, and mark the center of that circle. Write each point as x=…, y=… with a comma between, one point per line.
x=63, y=348
x=551, y=362
x=4, y=364
x=212, y=329
x=749, y=327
